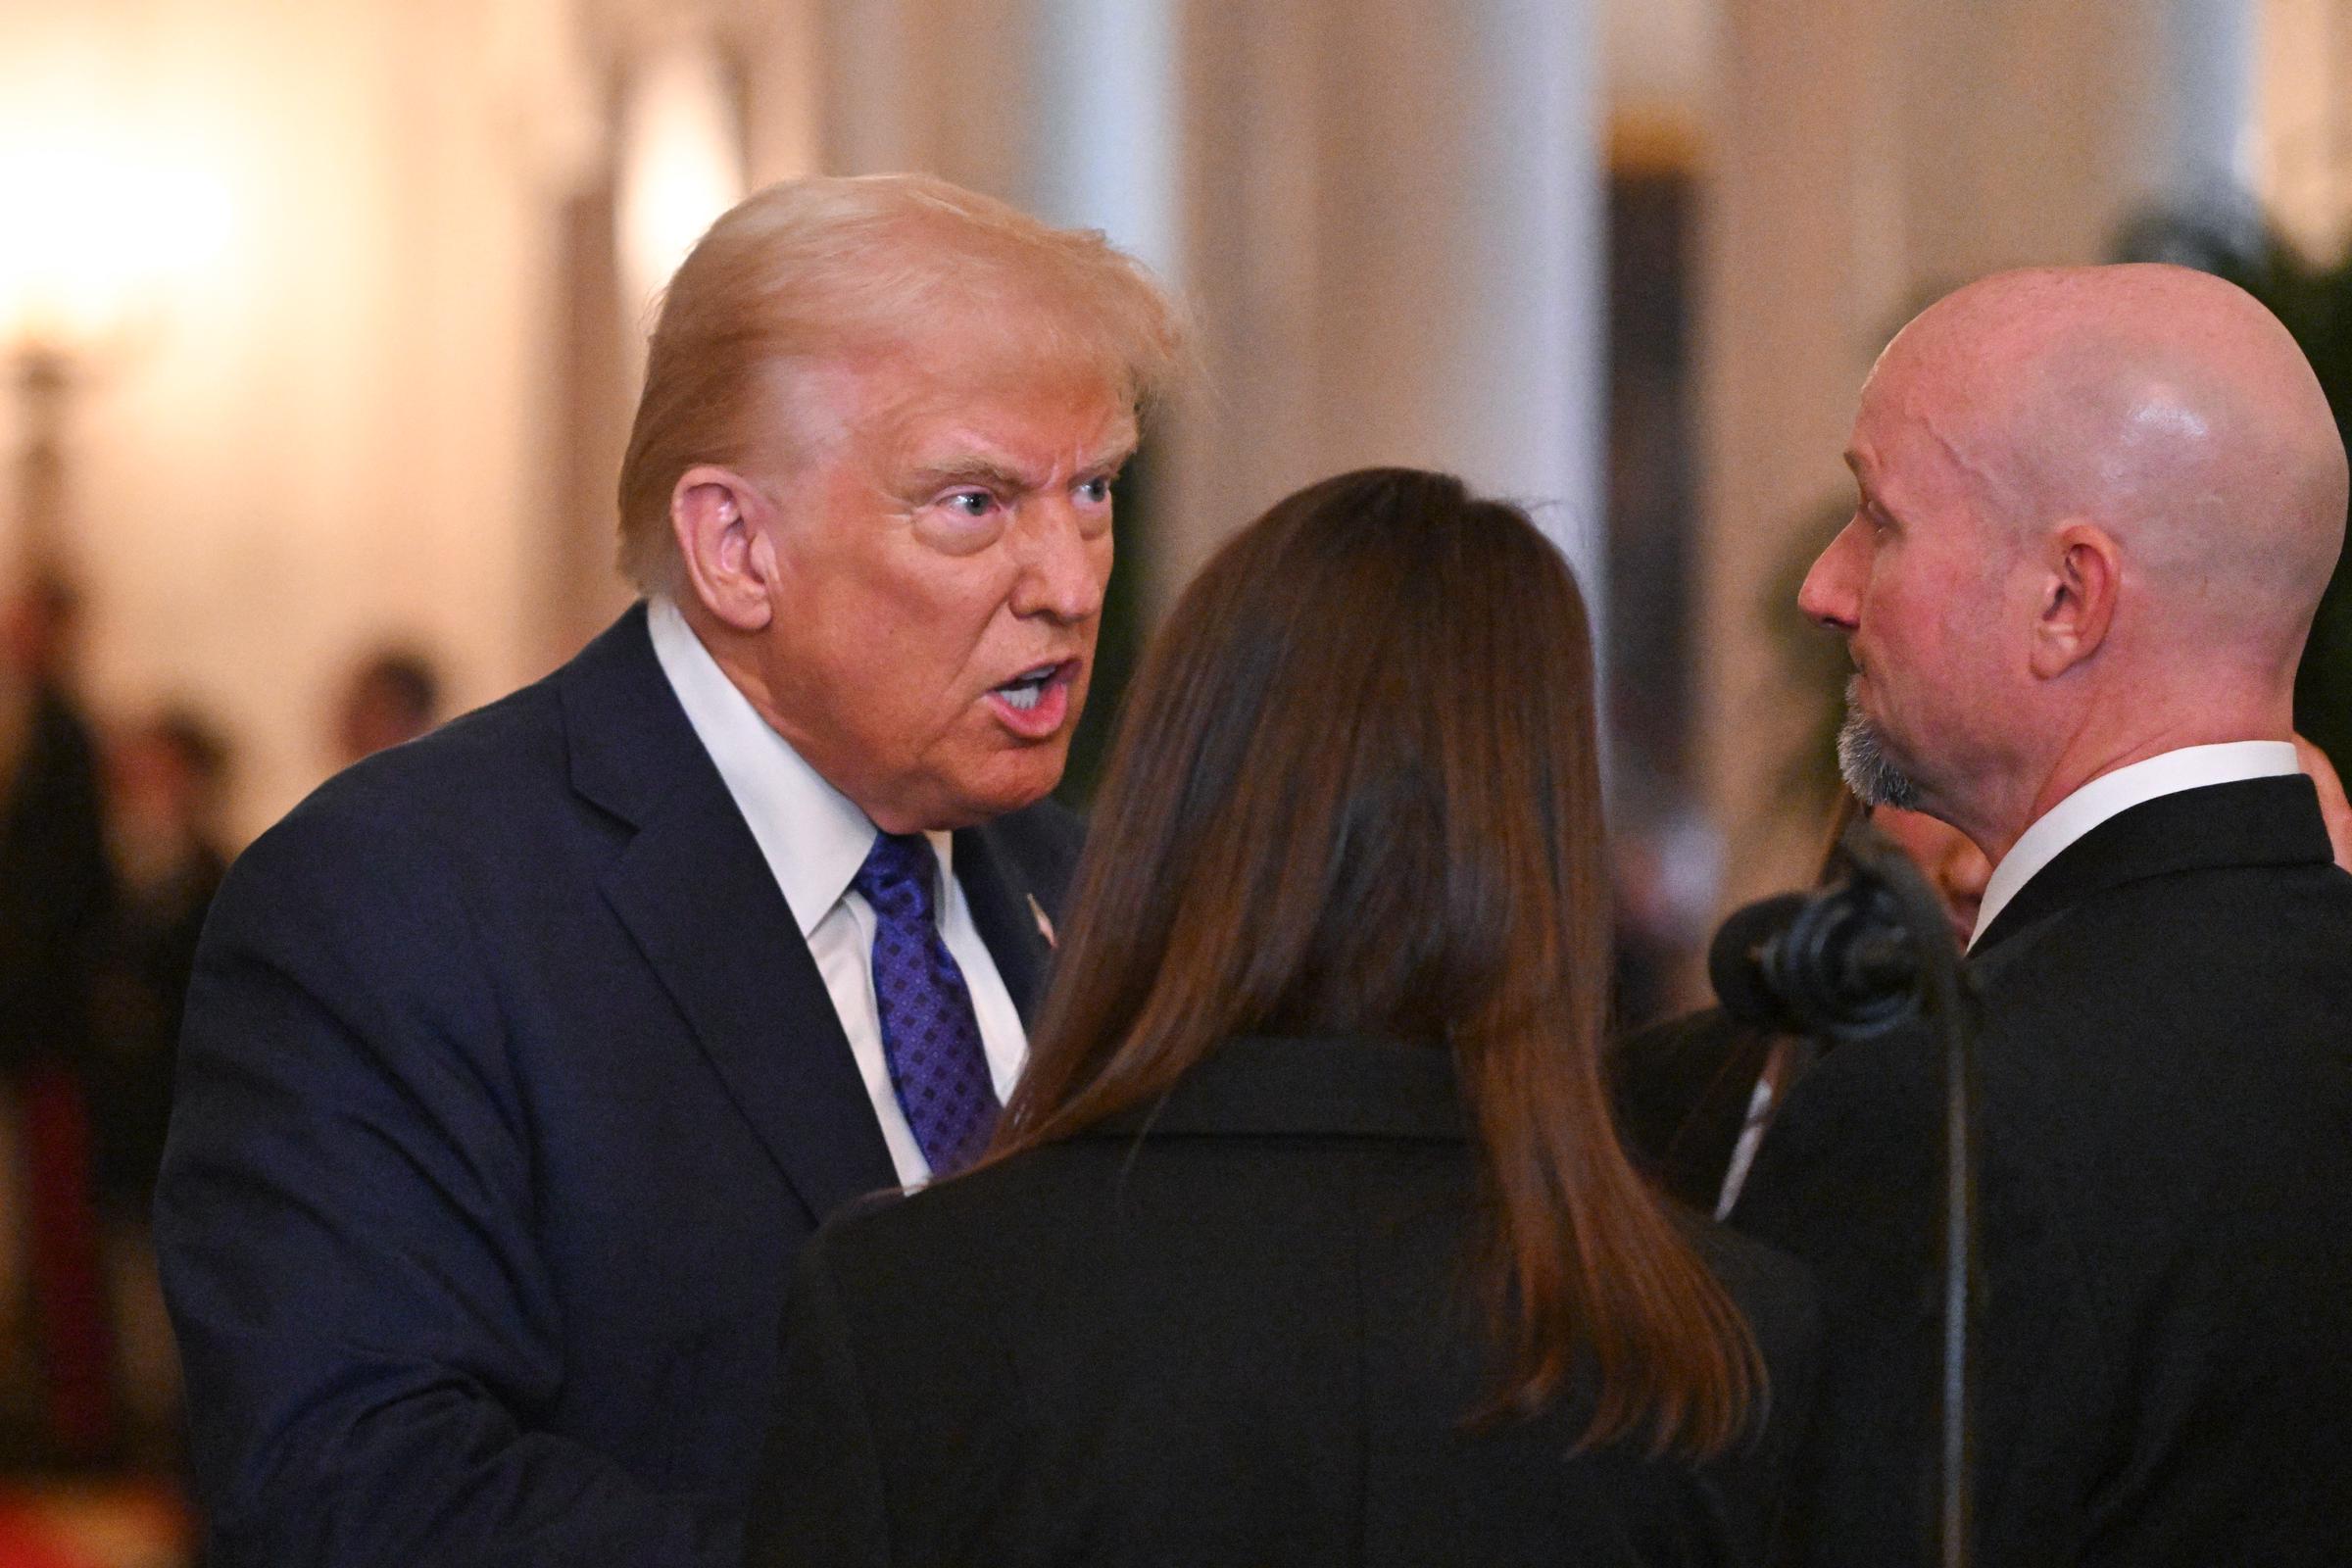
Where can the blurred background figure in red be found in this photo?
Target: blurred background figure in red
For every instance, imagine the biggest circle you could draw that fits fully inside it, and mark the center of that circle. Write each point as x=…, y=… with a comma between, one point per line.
x=165, y=782
x=56, y=894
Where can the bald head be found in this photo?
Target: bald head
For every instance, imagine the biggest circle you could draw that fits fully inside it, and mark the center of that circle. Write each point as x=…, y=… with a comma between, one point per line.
x=2164, y=406
x=2096, y=508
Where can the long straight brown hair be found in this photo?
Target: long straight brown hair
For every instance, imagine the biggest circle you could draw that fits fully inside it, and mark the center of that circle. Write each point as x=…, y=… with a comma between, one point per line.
x=1355, y=791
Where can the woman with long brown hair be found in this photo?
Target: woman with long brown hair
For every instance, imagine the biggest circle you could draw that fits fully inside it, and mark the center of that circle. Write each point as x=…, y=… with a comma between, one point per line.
x=1306, y=1238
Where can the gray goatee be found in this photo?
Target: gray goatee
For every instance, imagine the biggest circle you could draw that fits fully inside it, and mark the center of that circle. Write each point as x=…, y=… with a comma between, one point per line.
x=1862, y=759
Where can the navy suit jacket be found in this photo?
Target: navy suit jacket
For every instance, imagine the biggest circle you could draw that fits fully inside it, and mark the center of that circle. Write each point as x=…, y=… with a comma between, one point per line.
x=507, y=1094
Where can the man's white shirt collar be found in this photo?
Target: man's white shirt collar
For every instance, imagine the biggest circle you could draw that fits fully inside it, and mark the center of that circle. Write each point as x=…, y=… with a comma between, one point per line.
x=2111, y=794
x=813, y=837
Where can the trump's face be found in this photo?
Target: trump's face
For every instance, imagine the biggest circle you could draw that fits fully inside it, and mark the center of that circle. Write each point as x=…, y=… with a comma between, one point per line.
x=940, y=553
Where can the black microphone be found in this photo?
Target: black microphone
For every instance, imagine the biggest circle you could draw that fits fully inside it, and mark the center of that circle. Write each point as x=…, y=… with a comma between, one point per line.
x=1836, y=962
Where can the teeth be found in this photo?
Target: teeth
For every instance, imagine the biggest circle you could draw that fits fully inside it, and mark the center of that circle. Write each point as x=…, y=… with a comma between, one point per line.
x=1023, y=692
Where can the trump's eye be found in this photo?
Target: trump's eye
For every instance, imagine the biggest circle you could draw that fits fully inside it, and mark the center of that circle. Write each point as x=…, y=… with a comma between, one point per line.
x=1095, y=492
x=973, y=504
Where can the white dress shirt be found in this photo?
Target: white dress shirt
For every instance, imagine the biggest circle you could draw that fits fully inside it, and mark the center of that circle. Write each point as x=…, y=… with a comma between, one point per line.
x=815, y=839
x=2111, y=794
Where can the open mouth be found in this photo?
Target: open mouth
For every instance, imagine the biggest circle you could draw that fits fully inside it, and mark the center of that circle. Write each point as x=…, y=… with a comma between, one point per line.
x=1025, y=691
x=1035, y=703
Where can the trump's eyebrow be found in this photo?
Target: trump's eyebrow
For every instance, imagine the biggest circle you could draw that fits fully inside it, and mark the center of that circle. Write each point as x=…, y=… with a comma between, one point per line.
x=973, y=471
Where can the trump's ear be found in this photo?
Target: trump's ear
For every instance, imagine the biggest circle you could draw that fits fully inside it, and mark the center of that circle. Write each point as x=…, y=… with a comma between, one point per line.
x=2078, y=598
x=727, y=563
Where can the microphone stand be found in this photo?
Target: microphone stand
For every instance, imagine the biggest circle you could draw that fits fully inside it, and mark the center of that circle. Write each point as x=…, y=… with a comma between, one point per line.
x=1947, y=1000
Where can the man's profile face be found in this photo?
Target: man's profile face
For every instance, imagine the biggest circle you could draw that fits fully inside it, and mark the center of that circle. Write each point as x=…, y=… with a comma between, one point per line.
x=942, y=555
x=1917, y=581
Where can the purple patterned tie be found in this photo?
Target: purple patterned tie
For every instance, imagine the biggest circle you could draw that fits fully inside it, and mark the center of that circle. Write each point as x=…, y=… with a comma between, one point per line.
x=930, y=1034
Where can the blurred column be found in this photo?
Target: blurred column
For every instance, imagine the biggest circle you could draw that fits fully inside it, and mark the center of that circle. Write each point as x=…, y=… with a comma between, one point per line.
x=2207, y=90
x=1104, y=147
x=680, y=158
x=1391, y=215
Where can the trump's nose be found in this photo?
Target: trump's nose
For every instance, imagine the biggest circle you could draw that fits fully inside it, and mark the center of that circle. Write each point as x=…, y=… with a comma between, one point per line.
x=1065, y=569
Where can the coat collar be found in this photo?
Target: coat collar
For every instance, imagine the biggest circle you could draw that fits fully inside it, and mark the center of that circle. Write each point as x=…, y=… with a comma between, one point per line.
x=695, y=893
x=2263, y=821
x=1008, y=912
x=1333, y=1086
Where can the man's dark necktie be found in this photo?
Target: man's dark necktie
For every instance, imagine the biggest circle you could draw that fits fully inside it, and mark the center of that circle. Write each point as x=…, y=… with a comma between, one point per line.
x=930, y=1034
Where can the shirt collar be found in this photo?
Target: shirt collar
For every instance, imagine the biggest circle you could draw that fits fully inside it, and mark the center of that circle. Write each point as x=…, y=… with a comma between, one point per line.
x=2111, y=794
x=813, y=837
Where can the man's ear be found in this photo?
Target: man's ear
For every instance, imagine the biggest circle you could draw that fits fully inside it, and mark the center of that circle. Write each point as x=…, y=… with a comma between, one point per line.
x=2078, y=599
x=728, y=562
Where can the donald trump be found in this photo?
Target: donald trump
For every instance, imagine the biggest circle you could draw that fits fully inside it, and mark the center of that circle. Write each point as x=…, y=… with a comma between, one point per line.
x=520, y=1059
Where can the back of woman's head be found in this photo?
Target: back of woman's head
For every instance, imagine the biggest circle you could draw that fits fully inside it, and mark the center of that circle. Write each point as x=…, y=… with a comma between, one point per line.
x=1354, y=792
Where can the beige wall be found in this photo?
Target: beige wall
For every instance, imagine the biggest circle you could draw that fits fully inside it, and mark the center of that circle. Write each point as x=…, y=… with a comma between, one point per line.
x=2303, y=142
x=330, y=437
x=1391, y=231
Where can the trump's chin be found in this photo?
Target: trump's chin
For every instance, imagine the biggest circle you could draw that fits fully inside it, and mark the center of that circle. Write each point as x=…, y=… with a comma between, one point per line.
x=999, y=779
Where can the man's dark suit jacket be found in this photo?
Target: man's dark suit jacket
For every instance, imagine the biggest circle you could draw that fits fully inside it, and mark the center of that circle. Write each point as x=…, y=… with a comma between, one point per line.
x=2166, y=1197
x=508, y=1092
x=1238, y=1330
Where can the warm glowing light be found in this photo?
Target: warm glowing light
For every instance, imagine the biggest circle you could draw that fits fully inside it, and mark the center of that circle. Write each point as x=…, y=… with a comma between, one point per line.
x=682, y=164
x=96, y=237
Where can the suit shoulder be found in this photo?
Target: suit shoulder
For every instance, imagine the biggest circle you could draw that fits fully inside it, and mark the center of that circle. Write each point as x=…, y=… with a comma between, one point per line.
x=440, y=784
x=410, y=818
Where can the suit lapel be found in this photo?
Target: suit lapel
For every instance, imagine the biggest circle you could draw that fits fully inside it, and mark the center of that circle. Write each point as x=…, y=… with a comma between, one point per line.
x=1007, y=912
x=2260, y=821
x=695, y=895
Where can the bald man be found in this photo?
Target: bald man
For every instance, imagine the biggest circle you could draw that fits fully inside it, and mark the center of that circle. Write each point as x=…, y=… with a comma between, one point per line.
x=2096, y=509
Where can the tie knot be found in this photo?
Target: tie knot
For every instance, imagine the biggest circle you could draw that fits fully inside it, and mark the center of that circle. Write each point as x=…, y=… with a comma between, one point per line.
x=898, y=871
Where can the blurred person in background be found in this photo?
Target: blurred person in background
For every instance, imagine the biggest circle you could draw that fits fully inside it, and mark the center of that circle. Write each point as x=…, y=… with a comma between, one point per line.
x=1305, y=1240
x=392, y=697
x=54, y=884
x=56, y=895
x=2096, y=510
x=1694, y=1095
x=166, y=779
x=520, y=1060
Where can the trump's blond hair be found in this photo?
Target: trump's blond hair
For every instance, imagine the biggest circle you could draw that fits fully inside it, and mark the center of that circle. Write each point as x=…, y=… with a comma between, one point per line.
x=816, y=270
